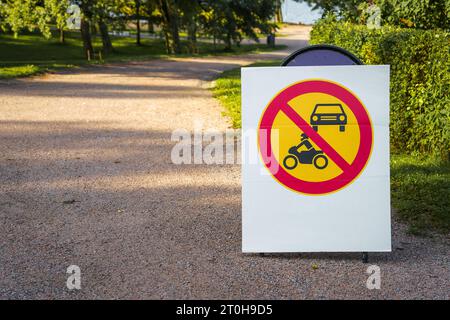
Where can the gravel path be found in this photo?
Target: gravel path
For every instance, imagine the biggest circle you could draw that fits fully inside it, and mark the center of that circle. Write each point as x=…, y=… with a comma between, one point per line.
x=86, y=179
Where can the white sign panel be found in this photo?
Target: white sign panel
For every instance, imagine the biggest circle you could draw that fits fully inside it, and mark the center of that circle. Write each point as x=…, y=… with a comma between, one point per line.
x=315, y=159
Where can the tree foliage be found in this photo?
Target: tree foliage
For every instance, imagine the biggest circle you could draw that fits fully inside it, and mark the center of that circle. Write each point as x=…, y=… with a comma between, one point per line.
x=24, y=14
x=231, y=20
x=57, y=11
x=420, y=14
x=224, y=20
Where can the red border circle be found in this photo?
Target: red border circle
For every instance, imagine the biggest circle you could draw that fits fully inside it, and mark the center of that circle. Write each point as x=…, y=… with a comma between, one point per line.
x=362, y=156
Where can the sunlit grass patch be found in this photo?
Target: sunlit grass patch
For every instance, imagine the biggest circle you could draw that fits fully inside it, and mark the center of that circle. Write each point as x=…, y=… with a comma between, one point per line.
x=18, y=71
x=227, y=90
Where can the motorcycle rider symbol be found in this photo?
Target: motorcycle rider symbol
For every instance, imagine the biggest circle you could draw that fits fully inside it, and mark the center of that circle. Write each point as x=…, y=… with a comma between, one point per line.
x=323, y=114
x=327, y=116
x=308, y=156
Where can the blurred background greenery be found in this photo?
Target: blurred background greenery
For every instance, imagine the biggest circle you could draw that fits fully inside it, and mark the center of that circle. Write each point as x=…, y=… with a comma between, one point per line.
x=39, y=35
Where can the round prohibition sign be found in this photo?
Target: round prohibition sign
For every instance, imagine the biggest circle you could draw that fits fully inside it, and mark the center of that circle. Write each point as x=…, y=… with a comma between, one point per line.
x=349, y=167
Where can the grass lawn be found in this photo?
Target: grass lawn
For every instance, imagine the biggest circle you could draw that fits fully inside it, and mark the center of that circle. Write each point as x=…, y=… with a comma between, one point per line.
x=420, y=188
x=30, y=54
x=420, y=191
x=228, y=90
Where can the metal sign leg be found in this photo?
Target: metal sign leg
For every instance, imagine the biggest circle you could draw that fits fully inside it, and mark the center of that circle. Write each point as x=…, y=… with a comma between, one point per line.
x=365, y=257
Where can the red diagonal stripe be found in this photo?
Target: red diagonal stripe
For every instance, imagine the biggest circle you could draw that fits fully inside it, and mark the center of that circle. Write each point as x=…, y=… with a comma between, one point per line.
x=315, y=137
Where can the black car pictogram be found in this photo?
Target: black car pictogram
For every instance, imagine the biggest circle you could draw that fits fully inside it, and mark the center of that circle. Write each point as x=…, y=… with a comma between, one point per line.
x=328, y=114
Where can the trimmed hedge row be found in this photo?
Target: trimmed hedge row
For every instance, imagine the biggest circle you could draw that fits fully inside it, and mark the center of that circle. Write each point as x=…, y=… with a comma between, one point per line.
x=420, y=79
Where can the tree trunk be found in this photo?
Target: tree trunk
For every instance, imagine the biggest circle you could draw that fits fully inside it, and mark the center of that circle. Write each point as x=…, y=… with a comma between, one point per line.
x=167, y=41
x=228, y=42
x=175, y=34
x=138, y=24
x=170, y=27
x=278, y=12
x=151, y=28
x=61, y=35
x=106, y=40
x=165, y=25
x=192, y=35
x=86, y=36
x=93, y=29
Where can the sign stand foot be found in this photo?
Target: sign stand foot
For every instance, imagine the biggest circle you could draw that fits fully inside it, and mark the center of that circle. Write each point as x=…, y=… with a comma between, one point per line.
x=365, y=257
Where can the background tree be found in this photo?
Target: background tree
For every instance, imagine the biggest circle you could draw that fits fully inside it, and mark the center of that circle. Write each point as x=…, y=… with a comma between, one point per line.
x=134, y=10
x=189, y=11
x=100, y=12
x=57, y=10
x=169, y=23
x=25, y=14
x=227, y=20
x=278, y=13
x=152, y=15
x=137, y=8
x=231, y=20
x=421, y=14
x=87, y=13
x=104, y=13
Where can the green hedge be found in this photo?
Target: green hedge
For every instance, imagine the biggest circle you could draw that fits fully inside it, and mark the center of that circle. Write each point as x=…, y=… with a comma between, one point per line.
x=420, y=78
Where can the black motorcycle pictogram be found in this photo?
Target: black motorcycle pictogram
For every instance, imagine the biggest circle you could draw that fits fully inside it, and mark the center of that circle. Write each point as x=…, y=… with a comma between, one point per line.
x=309, y=156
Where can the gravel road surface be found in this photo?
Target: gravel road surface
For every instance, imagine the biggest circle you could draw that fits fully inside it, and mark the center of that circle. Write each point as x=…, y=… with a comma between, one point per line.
x=86, y=179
